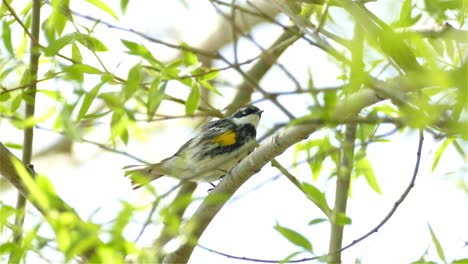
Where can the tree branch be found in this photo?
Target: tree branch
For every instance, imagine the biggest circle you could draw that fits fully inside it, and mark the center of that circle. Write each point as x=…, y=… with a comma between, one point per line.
x=213, y=203
x=28, y=135
x=56, y=204
x=341, y=194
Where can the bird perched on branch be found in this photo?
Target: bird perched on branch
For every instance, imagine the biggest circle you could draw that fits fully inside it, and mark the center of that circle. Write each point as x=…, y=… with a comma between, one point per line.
x=217, y=147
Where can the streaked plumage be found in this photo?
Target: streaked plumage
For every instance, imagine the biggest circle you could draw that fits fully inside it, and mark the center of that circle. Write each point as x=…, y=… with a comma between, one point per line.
x=211, y=153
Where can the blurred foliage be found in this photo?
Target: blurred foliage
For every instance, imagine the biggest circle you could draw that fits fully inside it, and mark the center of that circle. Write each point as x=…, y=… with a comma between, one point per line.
x=83, y=92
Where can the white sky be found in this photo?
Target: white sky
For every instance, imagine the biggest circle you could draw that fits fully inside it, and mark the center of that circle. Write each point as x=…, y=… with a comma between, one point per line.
x=93, y=179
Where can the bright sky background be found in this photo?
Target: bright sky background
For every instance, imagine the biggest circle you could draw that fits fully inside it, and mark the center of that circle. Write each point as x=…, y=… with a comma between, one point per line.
x=91, y=179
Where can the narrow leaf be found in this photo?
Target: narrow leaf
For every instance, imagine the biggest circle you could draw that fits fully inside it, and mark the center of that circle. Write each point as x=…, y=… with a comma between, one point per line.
x=364, y=167
x=294, y=237
x=35, y=192
x=6, y=36
x=56, y=45
x=317, y=197
x=104, y=7
x=193, y=100
x=440, y=151
x=439, y=249
x=81, y=68
x=155, y=97
x=76, y=54
x=317, y=221
x=133, y=81
x=87, y=100
x=123, y=6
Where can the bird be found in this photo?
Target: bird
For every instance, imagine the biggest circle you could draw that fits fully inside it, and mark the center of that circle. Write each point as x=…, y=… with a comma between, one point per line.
x=215, y=149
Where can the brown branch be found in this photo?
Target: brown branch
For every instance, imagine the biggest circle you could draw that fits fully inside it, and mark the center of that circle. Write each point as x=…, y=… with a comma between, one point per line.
x=56, y=204
x=356, y=241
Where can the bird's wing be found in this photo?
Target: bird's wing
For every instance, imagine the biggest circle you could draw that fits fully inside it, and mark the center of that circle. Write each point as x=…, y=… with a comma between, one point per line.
x=208, y=131
x=216, y=128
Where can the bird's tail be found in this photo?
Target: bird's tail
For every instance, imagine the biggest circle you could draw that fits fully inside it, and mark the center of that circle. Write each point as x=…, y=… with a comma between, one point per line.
x=142, y=174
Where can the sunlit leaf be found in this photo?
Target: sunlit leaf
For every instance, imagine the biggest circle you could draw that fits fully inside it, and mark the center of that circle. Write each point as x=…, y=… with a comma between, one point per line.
x=156, y=94
x=6, y=36
x=81, y=68
x=140, y=50
x=342, y=220
x=133, y=81
x=92, y=43
x=4, y=97
x=192, y=101
x=213, y=74
x=317, y=221
x=294, y=237
x=190, y=58
x=207, y=85
x=87, y=100
x=57, y=21
x=104, y=7
x=440, y=151
x=34, y=191
x=364, y=167
x=123, y=6
x=56, y=45
x=436, y=242
x=76, y=54
x=16, y=103
x=317, y=197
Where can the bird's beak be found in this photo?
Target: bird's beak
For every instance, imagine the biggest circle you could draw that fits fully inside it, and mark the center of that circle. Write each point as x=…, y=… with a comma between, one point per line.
x=259, y=112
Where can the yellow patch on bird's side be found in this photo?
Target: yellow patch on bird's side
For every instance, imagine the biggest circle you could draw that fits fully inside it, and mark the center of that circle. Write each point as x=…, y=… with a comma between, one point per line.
x=226, y=139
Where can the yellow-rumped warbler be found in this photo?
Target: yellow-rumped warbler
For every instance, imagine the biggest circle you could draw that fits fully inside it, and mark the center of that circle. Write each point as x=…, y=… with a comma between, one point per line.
x=211, y=153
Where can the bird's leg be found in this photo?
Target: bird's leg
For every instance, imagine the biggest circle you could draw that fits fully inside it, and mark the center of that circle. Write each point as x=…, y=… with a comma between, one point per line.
x=211, y=189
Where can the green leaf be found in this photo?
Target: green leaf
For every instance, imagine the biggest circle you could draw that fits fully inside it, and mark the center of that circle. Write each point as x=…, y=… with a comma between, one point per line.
x=34, y=191
x=460, y=261
x=364, y=167
x=104, y=7
x=317, y=221
x=5, y=96
x=342, y=220
x=294, y=237
x=76, y=54
x=190, y=58
x=213, y=74
x=5, y=212
x=156, y=94
x=192, y=101
x=209, y=86
x=123, y=6
x=133, y=81
x=65, y=123
x=16, y=103
x=119, y=126
x=140, y=50
x=405, y=13
x=57, y=21
x=87, y=100
x=81, y=68
x=6, y=36
x=317, y=197
x=56, y=45
x=91, y=43
x=13, y=146
x=440, y=151
x=436, y=242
